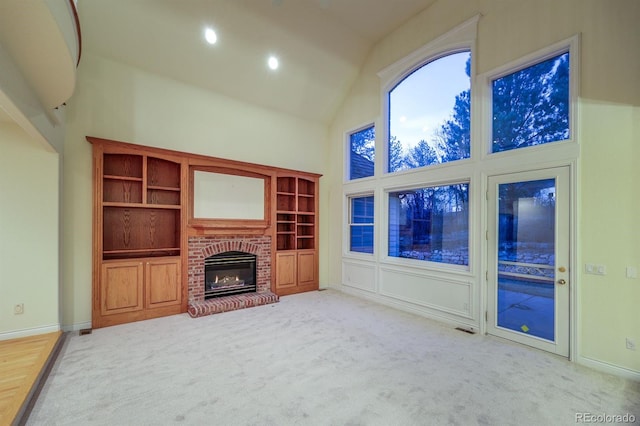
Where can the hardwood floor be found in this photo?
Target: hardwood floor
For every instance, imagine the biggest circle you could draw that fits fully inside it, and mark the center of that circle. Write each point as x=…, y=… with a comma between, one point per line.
x=22, y=364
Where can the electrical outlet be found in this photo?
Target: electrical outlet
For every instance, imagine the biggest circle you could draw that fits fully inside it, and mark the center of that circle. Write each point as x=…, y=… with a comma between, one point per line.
x=18, y=309
x=631, y=344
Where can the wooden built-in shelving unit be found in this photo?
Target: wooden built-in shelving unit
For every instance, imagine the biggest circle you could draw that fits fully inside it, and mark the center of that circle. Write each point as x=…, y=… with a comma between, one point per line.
x=138, y=233
x=143, y=208
x=296, y=257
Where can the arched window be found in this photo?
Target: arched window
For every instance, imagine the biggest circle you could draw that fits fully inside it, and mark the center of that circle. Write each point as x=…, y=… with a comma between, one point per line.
x=429, y=114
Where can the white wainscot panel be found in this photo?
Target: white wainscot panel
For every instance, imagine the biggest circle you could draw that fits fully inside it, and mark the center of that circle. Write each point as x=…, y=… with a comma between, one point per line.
x=361, y=276
x=444, y=294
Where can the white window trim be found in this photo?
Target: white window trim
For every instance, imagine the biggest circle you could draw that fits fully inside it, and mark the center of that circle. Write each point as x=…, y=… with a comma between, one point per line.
x=347, y=153
x=427, y=264
x=346, y=249
x=462, y=37
x=459, y=39
x=556, y=154
x=565, y=149
x=474, y=171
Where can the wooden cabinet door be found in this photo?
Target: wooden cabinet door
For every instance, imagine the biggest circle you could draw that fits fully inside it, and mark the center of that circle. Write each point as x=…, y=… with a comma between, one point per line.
x=306, y=268
x=286, y=270
x=162, y=282
x=121, y=287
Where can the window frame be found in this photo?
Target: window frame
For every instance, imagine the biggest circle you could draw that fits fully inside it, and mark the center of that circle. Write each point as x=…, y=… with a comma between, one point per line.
x=377, y=275
x=566, y=148
x=462, y=38
x=441, y=54
x=428, y=264
x=349, y=224
x=347, y=152
x=522, y=71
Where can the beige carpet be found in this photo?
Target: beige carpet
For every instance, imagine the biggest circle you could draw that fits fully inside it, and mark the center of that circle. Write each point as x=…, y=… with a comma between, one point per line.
x=319, y=358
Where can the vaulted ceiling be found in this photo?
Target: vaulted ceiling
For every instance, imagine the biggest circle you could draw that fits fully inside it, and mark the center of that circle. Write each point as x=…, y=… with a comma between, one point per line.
x=321, y=44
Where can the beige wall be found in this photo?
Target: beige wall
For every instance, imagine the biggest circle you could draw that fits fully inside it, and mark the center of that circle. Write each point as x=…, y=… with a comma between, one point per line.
x=608, y=135
x=28, y=234
x=115, y=101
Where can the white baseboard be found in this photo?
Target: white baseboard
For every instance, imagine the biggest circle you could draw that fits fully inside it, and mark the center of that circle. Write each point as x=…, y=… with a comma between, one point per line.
x=605, y=367
x=406, y=307
x=26, y=332
x=76, y=327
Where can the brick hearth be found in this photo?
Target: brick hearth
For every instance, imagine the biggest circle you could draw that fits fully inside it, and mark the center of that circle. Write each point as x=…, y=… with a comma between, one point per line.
x=204, y=246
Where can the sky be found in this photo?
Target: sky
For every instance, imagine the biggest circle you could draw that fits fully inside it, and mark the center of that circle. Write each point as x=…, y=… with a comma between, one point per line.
x=424, y=100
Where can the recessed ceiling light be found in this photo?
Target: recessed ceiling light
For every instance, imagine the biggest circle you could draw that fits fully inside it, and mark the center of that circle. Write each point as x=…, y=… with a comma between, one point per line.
x=210, y=36
x=273, y=62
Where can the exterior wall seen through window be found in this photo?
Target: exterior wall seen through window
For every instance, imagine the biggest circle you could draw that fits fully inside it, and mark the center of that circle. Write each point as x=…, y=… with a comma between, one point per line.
x=362, y=153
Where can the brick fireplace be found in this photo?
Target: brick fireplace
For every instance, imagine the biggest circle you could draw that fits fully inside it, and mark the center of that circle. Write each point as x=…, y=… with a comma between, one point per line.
x=201, y=247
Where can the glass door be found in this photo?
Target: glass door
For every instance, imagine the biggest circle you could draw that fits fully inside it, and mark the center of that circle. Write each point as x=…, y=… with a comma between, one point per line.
x=528, y=273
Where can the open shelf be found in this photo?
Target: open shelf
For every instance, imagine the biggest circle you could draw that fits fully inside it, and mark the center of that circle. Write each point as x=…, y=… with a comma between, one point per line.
x=286, y=185
x=163, y=196
x=286, y=202
x=305, y=242
x=122, y=165
x=122, y=190
x=134, y=230
x=285, y=242
x=141, y=206
x=125, y=178
x=295, y=217
x=306, y=187
x=134, y=254
x=163, y=173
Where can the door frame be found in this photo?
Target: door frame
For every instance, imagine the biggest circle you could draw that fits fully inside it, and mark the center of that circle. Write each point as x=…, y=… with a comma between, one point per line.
x=573, y=273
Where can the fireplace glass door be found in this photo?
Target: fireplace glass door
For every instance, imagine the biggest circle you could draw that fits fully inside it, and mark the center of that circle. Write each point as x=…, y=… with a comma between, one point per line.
x=229, y=273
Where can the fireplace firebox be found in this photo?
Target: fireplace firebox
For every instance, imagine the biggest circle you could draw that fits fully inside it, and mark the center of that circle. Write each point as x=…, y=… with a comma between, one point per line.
x=231, y=272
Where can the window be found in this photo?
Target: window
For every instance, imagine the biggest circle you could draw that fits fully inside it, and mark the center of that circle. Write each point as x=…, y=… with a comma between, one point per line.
x=362, y=153
x=430, y=224
x=430, y=114
x=531, y=106
x=361, y=224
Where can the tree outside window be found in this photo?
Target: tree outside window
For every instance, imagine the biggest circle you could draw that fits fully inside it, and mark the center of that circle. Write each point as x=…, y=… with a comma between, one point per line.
x=531, y=106
x=430, y=114
x=430, y=224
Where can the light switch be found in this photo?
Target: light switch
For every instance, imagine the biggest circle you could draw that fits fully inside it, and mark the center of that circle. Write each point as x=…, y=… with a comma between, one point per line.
x=595, y=269
x=632, y=272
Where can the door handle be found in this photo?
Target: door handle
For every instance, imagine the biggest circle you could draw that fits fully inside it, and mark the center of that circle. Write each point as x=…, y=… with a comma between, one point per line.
x=562, y=281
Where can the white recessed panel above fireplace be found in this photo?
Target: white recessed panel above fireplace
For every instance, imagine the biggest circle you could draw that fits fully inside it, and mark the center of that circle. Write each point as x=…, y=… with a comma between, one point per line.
x=224, y=196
